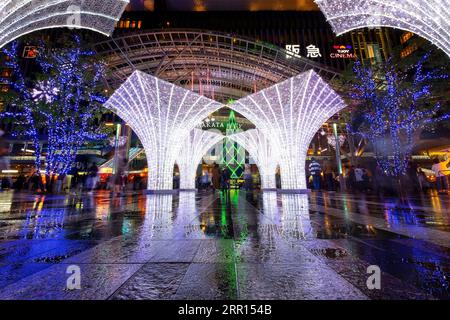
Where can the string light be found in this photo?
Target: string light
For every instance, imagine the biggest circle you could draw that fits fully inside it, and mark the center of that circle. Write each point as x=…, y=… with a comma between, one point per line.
x=20, y=17
x=259, y=148
x=162, y=115
x=289, y=114
x=195, y=145
x=429, y=19
x=68, y=119
x=397, y=112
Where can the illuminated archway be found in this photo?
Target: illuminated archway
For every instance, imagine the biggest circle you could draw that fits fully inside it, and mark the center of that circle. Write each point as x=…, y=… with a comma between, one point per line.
x=429, y=19
x=259, y=148
x=20, y=17
x=162, y=115
x=289, y=114
x=195, y=145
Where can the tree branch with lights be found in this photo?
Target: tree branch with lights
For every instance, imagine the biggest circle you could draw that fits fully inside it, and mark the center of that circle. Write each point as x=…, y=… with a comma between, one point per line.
x=63, y=100
x=396, y=104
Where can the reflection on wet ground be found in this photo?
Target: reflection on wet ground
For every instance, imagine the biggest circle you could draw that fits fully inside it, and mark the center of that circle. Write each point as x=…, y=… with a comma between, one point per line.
x=224, y=246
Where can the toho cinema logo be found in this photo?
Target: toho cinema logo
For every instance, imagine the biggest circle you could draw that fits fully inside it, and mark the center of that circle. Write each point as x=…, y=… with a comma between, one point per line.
x=342, y=52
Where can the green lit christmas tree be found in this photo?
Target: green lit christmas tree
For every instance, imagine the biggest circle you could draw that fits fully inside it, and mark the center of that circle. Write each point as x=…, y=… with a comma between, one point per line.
x=233, y=157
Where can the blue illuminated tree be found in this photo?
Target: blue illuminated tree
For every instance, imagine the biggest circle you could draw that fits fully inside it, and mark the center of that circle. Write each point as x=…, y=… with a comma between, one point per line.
x=63, y=100
x=396, y=104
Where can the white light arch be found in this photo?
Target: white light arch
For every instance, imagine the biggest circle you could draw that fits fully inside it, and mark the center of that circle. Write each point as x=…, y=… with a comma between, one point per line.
x=195, y=146
x=289, y=114
x=20, y=17
x=162, y=115
x=259, y=148
x=430, y=19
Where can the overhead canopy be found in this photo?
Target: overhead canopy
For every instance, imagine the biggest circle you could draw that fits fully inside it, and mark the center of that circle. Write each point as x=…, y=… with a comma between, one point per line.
x=217, y=65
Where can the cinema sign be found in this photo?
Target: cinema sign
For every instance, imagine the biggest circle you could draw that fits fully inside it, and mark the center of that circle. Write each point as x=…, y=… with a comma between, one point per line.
x=342, y=52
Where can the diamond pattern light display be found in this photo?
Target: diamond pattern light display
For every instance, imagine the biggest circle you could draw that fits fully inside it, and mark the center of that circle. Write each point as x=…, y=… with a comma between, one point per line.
x=20, y=17
x=162, y=115
x=195, y=146
x=428, y=18
x=260, y=150
x=289, y=114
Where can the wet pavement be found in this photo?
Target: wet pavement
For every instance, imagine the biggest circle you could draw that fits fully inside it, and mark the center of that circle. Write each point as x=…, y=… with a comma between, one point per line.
x=224, y=246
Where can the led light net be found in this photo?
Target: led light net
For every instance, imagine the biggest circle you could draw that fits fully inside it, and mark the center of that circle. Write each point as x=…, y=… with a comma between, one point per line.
x=289, y=114
x=260, y=150
x=162, y=115
x=428, y=18
x=20, y=17
x=195, y=146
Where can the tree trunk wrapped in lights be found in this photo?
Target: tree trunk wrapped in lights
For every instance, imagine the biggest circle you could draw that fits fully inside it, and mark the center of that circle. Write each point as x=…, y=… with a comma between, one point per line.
x=289, y=114
x=259, y=148
x=195, y=145
x=20, y=17
x=429, y=19
x=162, y=115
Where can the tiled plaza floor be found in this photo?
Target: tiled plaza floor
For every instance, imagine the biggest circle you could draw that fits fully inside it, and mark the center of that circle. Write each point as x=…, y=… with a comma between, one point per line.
x=218, y=246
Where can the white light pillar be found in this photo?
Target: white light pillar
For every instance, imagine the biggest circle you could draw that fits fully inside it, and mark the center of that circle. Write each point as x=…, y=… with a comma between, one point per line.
x=162, y=115
x=289, y=114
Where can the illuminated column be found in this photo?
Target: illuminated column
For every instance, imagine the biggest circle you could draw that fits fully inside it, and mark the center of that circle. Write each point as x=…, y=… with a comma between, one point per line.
x=20, y=17
x=195, y=146
x=162, y=115
x=429, y=19
x=289, y=114
x=260, y=150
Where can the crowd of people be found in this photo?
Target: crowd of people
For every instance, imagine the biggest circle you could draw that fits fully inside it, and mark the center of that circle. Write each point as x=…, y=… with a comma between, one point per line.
x=217, y=179
x=321, y=176
x=359, y=178
x=51, y=183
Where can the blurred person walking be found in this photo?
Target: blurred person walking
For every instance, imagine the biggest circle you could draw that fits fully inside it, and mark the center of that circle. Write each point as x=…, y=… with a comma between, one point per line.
x=412, y=174
x=92, y=178
x=329, y=175
x=441, y=172
x=248, y=179
x=359, y=178
x=314, y=171
x=4, y=162
x=216, y=176
x=225, y=179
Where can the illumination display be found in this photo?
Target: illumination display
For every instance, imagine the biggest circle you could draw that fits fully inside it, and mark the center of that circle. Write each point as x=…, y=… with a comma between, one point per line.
x=429, y=19
x=20, y=17
x=195, y=146
x=260, y=150
x=289, y=114
x=234, y=155
x=162, y=115
x=44, y=92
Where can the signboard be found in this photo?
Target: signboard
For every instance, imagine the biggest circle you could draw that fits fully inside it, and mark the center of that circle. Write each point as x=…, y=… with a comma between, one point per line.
x=30, y=52
x=293, y=50
x=342, y=52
